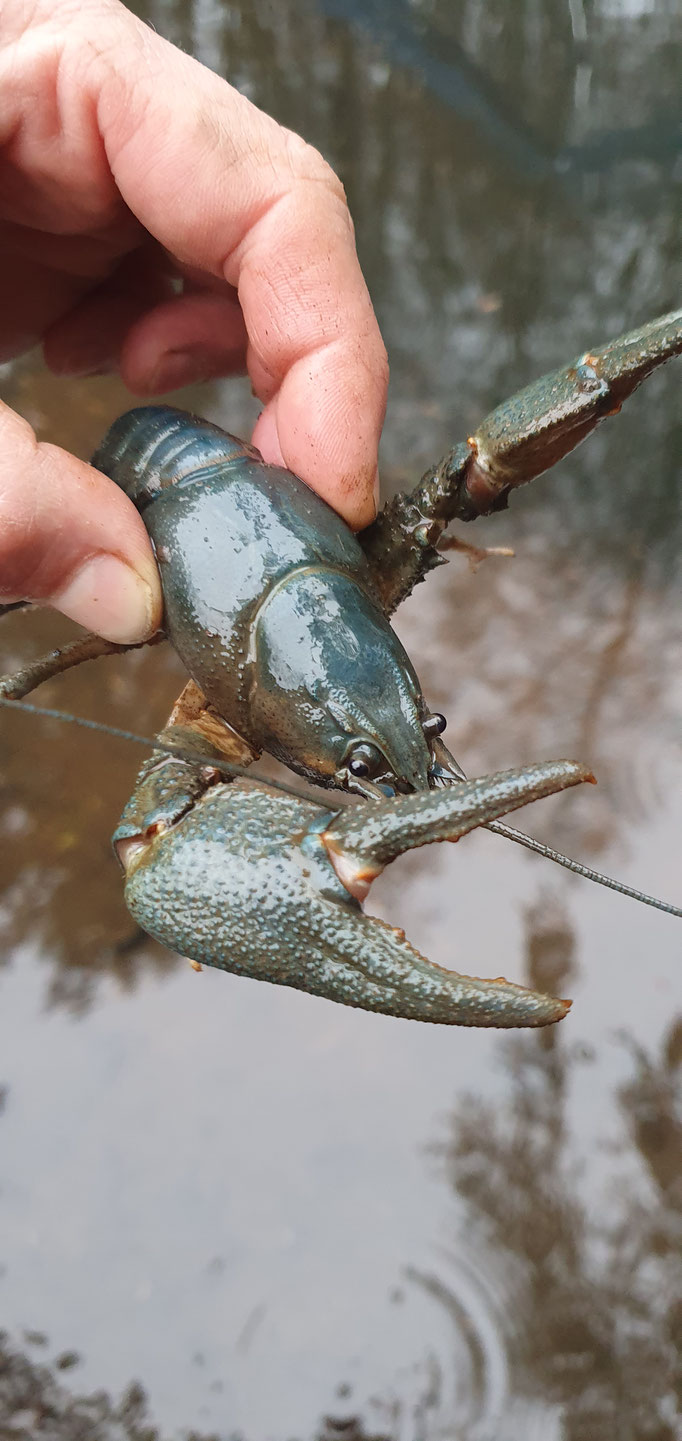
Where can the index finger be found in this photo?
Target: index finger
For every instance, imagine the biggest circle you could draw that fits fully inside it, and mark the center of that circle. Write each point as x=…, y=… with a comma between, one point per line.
x=224, y=188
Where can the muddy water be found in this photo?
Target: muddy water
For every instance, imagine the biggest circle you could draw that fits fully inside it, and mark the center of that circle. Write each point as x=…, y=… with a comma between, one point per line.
x=267, y=1209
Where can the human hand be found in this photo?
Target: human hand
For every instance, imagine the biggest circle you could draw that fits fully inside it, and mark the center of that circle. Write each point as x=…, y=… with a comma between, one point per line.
x=125, y=167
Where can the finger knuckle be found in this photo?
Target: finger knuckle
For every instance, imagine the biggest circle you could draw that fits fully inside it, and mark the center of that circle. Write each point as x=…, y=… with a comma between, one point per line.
x=309, y=164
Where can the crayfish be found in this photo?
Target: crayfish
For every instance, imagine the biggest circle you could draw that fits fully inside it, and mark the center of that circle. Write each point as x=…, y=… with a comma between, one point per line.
x=281, y=616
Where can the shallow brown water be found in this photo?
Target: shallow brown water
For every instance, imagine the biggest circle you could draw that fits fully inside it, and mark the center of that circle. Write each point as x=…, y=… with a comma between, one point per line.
x=269, y=1209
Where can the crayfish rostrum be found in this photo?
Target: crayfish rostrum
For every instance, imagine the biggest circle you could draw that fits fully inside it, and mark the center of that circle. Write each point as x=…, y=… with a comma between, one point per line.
x=281, y=616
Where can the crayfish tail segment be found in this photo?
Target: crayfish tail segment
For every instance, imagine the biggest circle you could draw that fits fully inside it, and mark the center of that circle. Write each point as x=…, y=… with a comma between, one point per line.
x=361, y=841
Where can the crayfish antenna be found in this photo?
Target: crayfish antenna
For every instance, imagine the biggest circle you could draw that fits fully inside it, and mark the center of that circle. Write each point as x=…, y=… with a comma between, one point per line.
x=446, y=771
x=578, y=869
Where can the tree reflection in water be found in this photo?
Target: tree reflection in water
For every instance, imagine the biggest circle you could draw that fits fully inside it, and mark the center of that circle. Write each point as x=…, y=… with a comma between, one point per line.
x=582, y=1330
x=592, y=1314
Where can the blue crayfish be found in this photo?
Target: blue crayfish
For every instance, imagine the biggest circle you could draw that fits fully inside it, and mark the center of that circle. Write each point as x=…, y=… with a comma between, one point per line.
x=281, y=616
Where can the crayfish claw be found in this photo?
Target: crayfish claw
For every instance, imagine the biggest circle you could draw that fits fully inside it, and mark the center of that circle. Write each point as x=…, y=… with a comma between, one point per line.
x=531, y=431
x=261, y=883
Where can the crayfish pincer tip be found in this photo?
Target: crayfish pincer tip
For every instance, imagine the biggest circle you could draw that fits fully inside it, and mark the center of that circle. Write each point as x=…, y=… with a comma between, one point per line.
x=547, y=1009
x=509, y=1006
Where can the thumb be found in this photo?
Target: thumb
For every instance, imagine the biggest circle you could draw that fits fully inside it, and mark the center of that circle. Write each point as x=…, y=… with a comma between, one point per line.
x=71, y=539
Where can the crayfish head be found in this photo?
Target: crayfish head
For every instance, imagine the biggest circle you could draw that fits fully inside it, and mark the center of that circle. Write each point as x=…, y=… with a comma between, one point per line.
x=333, y=693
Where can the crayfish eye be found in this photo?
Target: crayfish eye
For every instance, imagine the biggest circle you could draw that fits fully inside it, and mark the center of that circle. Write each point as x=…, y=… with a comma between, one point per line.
x=366, y=760
x=434, y=725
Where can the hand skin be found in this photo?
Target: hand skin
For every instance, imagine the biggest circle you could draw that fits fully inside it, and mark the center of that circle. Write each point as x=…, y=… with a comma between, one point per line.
x=125, y=167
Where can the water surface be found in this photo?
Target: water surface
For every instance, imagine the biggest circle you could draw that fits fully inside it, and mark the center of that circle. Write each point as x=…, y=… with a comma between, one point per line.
x=269, y=1210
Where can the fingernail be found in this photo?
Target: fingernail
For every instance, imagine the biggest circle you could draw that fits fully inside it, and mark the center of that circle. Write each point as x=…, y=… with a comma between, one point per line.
x=182, y=367
x=377, y=489
x=109, y=597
